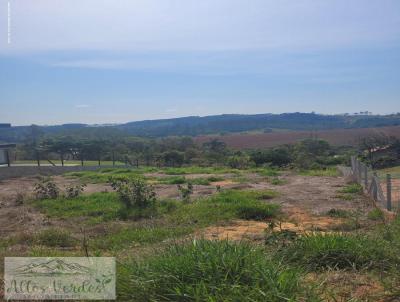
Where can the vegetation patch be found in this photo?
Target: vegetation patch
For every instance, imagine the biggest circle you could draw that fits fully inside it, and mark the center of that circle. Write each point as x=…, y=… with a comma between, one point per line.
x=338, y=213
x=210, y=271
x=376, y=214
x=54, y=238
x=329, y=171
x=352, y=189
x=339, y=251
x=226, y=205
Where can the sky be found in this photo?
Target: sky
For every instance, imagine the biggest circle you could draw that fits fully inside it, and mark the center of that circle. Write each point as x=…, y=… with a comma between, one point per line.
x=115, y=61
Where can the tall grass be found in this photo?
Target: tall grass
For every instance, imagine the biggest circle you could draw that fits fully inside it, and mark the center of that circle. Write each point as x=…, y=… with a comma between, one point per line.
x=210, y=271
x=340, y=251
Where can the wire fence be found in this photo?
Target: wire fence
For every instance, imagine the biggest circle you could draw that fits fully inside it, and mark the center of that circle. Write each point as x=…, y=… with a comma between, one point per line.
x=384, y=189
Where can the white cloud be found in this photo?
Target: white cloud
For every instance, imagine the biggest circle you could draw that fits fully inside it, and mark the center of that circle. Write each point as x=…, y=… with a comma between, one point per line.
x=82, y=106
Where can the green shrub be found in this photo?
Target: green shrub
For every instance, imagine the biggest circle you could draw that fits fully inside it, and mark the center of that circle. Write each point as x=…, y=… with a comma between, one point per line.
x=186, y=192
x=210, y=271
x=134, y=192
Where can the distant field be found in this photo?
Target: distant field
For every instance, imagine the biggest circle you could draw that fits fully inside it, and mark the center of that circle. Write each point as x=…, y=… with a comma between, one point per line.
x=267, y=140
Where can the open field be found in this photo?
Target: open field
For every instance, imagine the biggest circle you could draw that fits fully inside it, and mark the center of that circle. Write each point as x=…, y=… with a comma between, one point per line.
x=337, y=137
x=308, y=237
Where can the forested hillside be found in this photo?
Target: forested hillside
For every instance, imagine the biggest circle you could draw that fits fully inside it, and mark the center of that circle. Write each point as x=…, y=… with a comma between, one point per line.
x=217, y=124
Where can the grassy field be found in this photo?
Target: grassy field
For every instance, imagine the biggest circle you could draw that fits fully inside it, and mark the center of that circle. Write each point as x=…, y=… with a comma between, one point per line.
x=168, y=251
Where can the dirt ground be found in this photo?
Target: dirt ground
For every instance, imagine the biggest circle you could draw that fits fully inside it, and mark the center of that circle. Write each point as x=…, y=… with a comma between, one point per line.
x=304, y=201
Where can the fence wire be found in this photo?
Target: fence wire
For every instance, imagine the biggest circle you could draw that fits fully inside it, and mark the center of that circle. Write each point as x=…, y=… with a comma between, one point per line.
x=383, y=188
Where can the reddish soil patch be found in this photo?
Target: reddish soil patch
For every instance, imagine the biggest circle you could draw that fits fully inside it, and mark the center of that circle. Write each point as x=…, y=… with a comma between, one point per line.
x=267, y=140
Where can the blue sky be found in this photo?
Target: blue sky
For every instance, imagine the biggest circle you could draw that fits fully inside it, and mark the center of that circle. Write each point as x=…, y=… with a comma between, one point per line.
x=112, y=61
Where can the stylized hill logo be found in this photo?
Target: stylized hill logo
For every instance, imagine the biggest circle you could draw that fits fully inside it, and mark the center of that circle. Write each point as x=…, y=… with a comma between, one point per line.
x=52, y=268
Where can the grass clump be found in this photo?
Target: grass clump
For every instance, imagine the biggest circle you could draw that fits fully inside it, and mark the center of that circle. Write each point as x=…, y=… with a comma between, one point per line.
x=227, y=205
x=376, y=214
x=338, y=213
x=277, y=181
x=352, y=189
x=199, y=170
x=134, y=236
x=55, y=238
x=339, y=251
x=209, y=271
x=329, y=171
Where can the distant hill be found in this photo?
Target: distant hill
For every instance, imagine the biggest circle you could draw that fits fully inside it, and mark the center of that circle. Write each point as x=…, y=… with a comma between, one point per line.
x=216, y=124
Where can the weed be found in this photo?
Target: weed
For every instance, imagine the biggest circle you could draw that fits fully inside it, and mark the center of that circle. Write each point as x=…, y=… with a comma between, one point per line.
x=74, y=191
x=338, y=213
x=277, y=181
x=376, y=214
x=55, y=238
x=352, y=189
x=329, y=171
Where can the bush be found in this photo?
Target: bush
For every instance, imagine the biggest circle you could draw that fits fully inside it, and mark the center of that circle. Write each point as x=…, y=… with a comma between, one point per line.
x=210, y=271
x=74, y=191
x=46, y=189
x=134, y=192
x=186, y=192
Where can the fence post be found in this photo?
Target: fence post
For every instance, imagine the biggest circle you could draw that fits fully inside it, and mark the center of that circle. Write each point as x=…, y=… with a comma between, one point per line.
x=389, y=191
x=366, y=177
x=8, y=157
x=359, y=172
x=375, y=188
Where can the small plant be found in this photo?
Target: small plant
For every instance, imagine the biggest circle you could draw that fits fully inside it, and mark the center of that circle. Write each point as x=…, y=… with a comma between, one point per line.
x=46, y=189
x=134, y=192
x=338, y=213
x=74, y=191
x=376, y=214
x=186, y=192
x=218, y=188
x=277, y=181
x=55, y=238
x=19, y=199
x=352, y=189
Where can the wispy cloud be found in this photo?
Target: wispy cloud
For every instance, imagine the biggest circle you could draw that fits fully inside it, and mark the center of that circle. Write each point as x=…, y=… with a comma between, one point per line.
x=82, y=106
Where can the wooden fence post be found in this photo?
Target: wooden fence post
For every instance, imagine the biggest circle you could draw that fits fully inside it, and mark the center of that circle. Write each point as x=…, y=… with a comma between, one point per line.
x=366, y=177
x=375, y=188
x=8, y=157
x=389, y=192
